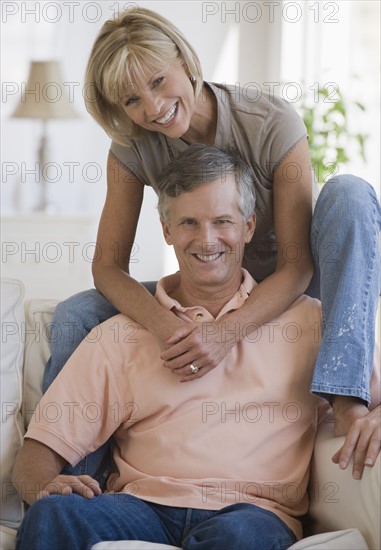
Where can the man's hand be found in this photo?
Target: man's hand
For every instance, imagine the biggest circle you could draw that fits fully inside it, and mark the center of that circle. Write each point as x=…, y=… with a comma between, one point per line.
x=201, y=344
x=83, y=485
x=363, y=434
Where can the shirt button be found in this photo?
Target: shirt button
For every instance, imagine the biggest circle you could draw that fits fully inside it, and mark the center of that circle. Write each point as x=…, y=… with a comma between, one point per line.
x=199, y=316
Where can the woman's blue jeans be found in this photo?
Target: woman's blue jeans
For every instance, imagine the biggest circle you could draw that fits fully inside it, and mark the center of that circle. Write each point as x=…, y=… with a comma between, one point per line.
x=345, y=246
x=345, y=243
x=72, y=522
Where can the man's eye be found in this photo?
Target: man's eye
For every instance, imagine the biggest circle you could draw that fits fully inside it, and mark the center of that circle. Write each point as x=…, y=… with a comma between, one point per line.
x=189, y=222
x=222, y=222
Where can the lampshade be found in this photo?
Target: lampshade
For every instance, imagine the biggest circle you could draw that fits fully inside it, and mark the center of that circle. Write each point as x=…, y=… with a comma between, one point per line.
x=44, y=95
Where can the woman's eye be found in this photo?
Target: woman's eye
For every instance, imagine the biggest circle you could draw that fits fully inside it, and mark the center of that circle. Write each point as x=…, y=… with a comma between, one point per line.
x=130, y=101
x=158, y=81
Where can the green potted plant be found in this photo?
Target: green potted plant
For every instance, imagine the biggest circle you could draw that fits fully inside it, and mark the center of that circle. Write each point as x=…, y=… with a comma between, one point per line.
x=326, y=118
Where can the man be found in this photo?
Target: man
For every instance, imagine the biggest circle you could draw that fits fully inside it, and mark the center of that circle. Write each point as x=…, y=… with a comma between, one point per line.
x=219, y=462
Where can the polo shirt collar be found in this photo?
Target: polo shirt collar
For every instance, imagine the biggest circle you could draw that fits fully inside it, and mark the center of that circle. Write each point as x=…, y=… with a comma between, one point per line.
x=199, y=313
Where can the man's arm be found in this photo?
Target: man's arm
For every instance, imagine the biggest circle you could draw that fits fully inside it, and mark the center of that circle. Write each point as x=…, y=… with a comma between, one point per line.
x=36, y=474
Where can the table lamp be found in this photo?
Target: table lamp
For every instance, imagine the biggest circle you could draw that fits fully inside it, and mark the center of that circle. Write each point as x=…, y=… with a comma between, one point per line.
x=44, y=98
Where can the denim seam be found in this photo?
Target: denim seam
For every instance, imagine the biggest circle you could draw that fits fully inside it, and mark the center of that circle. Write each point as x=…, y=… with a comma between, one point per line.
x=187, y=524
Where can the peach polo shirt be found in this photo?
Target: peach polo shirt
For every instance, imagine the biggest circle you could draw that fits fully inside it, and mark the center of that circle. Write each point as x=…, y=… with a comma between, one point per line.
x=242, y=433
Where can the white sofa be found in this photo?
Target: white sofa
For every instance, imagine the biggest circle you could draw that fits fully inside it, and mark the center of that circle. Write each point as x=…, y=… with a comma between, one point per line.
x=343, y=514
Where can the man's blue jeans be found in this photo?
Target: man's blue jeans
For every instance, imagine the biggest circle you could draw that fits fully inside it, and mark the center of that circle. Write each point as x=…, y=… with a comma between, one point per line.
x=345, y=246
x=74, y=523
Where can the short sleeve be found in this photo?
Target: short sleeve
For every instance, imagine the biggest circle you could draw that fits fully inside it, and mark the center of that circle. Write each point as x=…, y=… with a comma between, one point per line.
x=146, y=157
x=282, y=130
x=129, y=159
x=77, y=413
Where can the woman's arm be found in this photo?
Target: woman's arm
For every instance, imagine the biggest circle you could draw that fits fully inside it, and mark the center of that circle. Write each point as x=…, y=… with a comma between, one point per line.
x=116, y=234
x=294, y=268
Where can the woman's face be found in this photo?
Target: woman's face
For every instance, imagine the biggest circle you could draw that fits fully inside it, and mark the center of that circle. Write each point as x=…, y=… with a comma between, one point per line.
x=162, y=101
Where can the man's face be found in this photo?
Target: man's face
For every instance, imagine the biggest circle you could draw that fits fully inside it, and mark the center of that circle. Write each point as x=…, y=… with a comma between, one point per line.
x=208, y=234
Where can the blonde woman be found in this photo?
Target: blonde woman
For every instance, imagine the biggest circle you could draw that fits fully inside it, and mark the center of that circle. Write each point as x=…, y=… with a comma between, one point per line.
x=146, y=90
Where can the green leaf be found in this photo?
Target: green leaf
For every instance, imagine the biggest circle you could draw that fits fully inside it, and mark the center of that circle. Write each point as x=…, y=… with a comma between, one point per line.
x=326, y=124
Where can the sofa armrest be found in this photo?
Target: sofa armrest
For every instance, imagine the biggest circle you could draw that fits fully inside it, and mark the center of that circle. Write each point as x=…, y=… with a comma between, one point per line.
x=12, y=430
x=337, y=501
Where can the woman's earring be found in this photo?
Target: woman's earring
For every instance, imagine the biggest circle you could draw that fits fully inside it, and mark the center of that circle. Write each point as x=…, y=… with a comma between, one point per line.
x=192, y=79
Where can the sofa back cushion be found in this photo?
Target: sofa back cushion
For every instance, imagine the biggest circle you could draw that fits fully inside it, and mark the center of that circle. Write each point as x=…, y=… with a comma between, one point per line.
x=25, y=349
x=38, y=319
x=12, y=429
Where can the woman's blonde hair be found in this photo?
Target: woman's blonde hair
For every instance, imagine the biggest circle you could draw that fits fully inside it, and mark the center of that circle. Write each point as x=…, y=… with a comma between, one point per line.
x=139, y=40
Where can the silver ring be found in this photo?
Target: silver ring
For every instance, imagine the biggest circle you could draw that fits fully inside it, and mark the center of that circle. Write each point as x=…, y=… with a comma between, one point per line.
x=193, y=368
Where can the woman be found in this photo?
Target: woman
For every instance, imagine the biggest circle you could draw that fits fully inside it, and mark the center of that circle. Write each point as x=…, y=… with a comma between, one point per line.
x=145, y=88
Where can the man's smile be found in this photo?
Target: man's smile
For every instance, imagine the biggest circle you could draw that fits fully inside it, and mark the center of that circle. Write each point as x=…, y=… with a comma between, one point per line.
x=208, y=257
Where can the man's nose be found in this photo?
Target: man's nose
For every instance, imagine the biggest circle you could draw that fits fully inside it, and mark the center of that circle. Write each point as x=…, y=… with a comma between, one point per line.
x=207, y=239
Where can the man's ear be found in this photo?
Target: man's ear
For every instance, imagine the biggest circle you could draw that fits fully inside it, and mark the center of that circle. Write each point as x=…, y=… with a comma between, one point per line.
x=250, y=227
x=166, y=233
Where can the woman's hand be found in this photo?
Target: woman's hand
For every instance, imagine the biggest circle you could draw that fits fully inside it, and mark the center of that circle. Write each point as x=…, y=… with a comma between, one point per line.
x=83, y=485
x=203, y=345
x=363, y=436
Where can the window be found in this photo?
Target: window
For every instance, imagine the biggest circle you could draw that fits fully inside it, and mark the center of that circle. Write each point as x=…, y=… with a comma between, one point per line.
x=328, y=44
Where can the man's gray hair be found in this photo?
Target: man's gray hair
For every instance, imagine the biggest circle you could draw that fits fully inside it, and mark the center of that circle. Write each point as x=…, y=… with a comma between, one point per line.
x=201, y=164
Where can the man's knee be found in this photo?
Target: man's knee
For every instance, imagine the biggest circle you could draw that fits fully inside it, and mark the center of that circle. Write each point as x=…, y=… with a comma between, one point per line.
x=242, y=527
x=54, y=504
x=49, y=511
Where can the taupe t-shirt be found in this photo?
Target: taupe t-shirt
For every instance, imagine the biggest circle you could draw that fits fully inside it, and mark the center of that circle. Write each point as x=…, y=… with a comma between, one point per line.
x=262, y=128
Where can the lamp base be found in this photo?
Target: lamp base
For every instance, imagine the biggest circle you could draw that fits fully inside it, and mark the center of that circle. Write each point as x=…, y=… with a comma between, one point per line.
x=43, y=204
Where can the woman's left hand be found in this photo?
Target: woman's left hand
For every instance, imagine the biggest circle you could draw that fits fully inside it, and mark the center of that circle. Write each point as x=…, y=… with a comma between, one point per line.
x=203, y=345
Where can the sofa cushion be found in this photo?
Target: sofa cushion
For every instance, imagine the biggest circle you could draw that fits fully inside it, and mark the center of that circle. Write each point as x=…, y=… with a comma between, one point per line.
x=7, y=538
x=12, y=338
x=337, y=501
x=348, y=539
x=38, y=319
